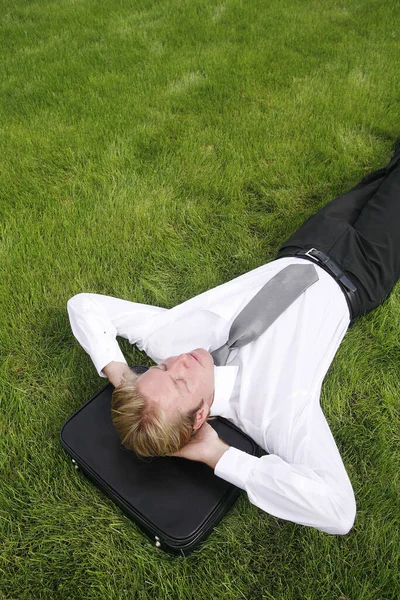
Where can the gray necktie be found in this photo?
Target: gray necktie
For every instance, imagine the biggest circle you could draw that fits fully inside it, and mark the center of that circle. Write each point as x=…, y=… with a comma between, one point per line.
x=265, y=307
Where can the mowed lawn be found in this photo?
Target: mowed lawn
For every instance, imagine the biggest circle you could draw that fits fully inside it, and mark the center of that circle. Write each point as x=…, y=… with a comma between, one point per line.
x=151, y=150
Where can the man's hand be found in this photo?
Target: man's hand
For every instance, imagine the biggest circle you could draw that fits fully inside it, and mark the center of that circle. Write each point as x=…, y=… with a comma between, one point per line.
x=205, y=447
x=115, y=371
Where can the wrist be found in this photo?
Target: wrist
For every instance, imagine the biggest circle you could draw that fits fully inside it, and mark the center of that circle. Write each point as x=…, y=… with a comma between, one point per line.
x=218, y=449
x=115, y=371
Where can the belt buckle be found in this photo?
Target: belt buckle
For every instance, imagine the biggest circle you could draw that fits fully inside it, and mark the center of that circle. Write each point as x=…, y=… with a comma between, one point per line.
x=310, y=255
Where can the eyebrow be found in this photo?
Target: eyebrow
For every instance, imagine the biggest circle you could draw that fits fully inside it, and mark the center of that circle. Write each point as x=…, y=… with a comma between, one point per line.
x=158, y=367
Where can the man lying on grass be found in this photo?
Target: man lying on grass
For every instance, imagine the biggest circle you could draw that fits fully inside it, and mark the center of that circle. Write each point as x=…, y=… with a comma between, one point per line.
x=270, y=387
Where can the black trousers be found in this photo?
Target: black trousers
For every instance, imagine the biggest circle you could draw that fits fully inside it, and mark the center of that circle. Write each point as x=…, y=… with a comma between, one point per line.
x=360, y=231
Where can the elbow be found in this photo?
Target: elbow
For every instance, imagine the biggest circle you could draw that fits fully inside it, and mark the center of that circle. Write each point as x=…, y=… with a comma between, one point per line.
x=75, y=303
x=345, y=515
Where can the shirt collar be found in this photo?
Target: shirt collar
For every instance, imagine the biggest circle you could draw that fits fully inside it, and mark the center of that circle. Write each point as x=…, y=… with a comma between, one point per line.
x=224, y=380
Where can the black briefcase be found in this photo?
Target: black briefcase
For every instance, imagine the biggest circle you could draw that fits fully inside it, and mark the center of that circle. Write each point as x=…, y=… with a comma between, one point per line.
x=176, y=502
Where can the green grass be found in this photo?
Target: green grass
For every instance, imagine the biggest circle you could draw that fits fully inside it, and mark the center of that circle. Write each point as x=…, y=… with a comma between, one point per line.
x=151, y=150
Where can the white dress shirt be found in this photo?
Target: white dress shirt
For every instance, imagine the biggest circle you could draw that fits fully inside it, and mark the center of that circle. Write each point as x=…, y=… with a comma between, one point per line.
x=270, y=388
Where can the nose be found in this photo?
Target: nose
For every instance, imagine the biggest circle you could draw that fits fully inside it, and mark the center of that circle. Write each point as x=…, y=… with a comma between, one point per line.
x=180, y=364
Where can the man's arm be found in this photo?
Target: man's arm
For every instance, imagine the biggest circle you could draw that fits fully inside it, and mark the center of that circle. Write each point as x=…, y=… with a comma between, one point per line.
x=317, y=494
x=96, y=321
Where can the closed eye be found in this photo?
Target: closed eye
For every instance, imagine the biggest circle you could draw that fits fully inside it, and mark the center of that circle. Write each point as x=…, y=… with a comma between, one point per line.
x=163, y=367
x=184, y=382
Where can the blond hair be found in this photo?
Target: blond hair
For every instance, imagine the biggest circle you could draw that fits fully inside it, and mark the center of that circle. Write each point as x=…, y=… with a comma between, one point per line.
x=143, y=426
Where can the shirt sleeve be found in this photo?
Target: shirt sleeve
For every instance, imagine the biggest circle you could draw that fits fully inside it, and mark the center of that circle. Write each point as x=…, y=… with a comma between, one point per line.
x=96, y=320
x=313, y=490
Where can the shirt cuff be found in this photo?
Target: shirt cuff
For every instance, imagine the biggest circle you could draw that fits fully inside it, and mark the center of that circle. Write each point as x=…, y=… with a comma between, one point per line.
x=106, y=355
x=235, y=466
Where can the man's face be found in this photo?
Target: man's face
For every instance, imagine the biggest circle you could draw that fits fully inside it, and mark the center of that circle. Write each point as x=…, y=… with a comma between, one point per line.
x=181, y=382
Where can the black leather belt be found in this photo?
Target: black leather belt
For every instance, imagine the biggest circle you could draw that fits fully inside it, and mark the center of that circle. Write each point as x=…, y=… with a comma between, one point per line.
x=331, y=267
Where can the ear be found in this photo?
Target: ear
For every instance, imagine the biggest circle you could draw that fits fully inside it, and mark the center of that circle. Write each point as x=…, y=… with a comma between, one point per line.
x=200, y=417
